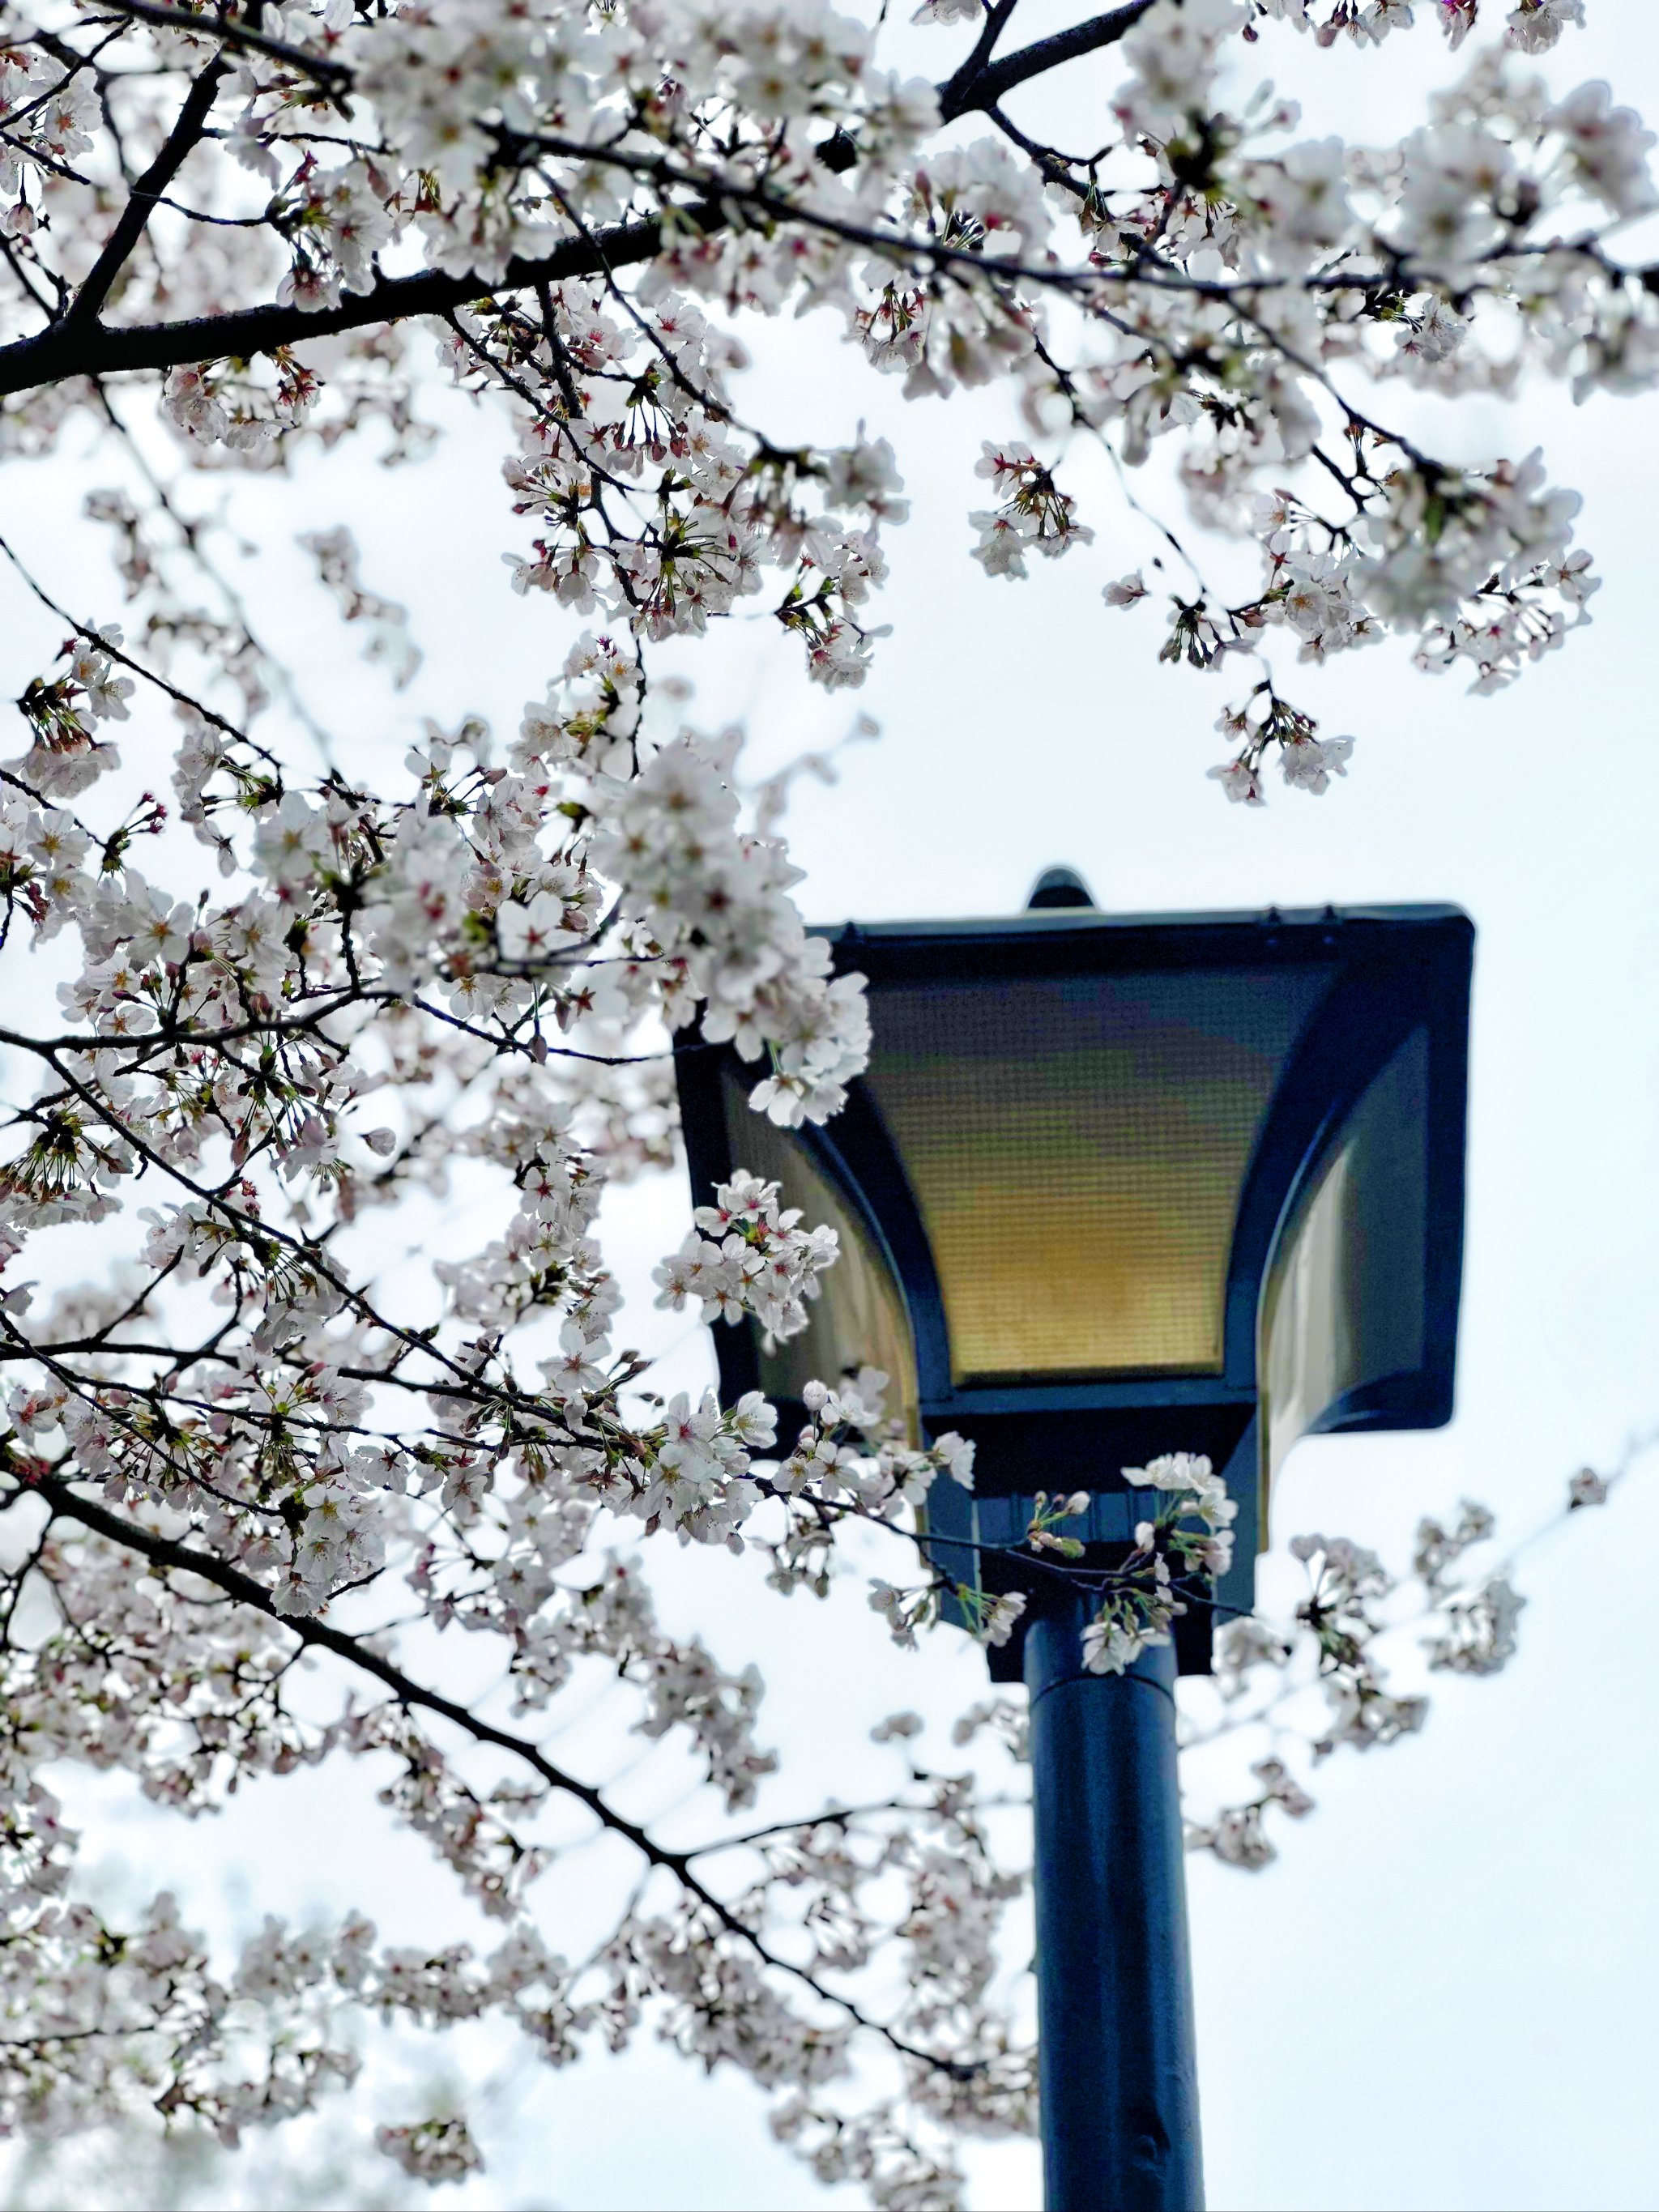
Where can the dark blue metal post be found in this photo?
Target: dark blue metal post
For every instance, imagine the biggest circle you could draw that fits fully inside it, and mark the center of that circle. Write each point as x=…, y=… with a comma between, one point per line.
x=1117, y=2068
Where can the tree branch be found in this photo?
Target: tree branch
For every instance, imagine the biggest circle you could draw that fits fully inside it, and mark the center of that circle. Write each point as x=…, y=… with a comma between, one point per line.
x=97, y=350
x=79, y=345
x=316, y=66
x=981, y=83
x=82, y=309
x=166, y=1552
x=976, y=85
x=996, y=22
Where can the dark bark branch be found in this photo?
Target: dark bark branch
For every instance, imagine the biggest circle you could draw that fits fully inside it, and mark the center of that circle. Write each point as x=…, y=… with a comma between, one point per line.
x=957, y=84
x=78, y=345
x=975, y=87
x=97, y=351
x=166, y=1552
x=316, y=66
x=186, y=133
x=977, y=91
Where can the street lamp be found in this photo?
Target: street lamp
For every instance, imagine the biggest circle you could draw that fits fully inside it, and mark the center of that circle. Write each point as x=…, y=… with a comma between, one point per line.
x=1114, y=1186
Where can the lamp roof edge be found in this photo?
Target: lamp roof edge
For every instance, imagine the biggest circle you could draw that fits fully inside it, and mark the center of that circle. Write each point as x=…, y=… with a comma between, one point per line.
x=1062, y=921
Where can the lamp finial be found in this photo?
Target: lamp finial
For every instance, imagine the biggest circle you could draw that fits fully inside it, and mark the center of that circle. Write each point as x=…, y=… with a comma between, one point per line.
x=1059, y=887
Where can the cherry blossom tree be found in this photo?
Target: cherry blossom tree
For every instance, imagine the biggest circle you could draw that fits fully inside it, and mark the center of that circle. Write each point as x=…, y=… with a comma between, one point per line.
x=294, y=996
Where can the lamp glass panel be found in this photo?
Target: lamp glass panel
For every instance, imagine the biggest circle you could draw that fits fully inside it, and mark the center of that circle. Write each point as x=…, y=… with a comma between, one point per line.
x=860, y=1317
x=1345, y=1300
x=1077, y=1146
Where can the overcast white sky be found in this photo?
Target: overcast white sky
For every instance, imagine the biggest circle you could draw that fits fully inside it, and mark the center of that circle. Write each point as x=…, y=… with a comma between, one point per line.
x=1441, y=1994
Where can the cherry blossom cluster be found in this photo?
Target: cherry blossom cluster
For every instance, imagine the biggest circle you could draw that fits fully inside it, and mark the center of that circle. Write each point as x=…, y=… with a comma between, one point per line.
x=1300, y=1691
x=580, y=207
x=746, y=1254
x=1190, y=1537
x=1032, y=514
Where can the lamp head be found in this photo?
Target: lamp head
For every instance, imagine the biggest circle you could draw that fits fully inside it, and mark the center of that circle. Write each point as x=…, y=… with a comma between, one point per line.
x=1116, y=1185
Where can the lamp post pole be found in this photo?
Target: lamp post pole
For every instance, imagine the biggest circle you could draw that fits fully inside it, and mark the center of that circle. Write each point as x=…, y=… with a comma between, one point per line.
x=1118, y=2073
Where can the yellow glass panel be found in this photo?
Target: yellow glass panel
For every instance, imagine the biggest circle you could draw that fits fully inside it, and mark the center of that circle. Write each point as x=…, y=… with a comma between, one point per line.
x=859, y=1320
x=1343, y=1305
x=1077, y=1146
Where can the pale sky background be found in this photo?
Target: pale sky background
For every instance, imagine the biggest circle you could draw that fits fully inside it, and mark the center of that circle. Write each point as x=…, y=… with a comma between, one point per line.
x=1442, y=1994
